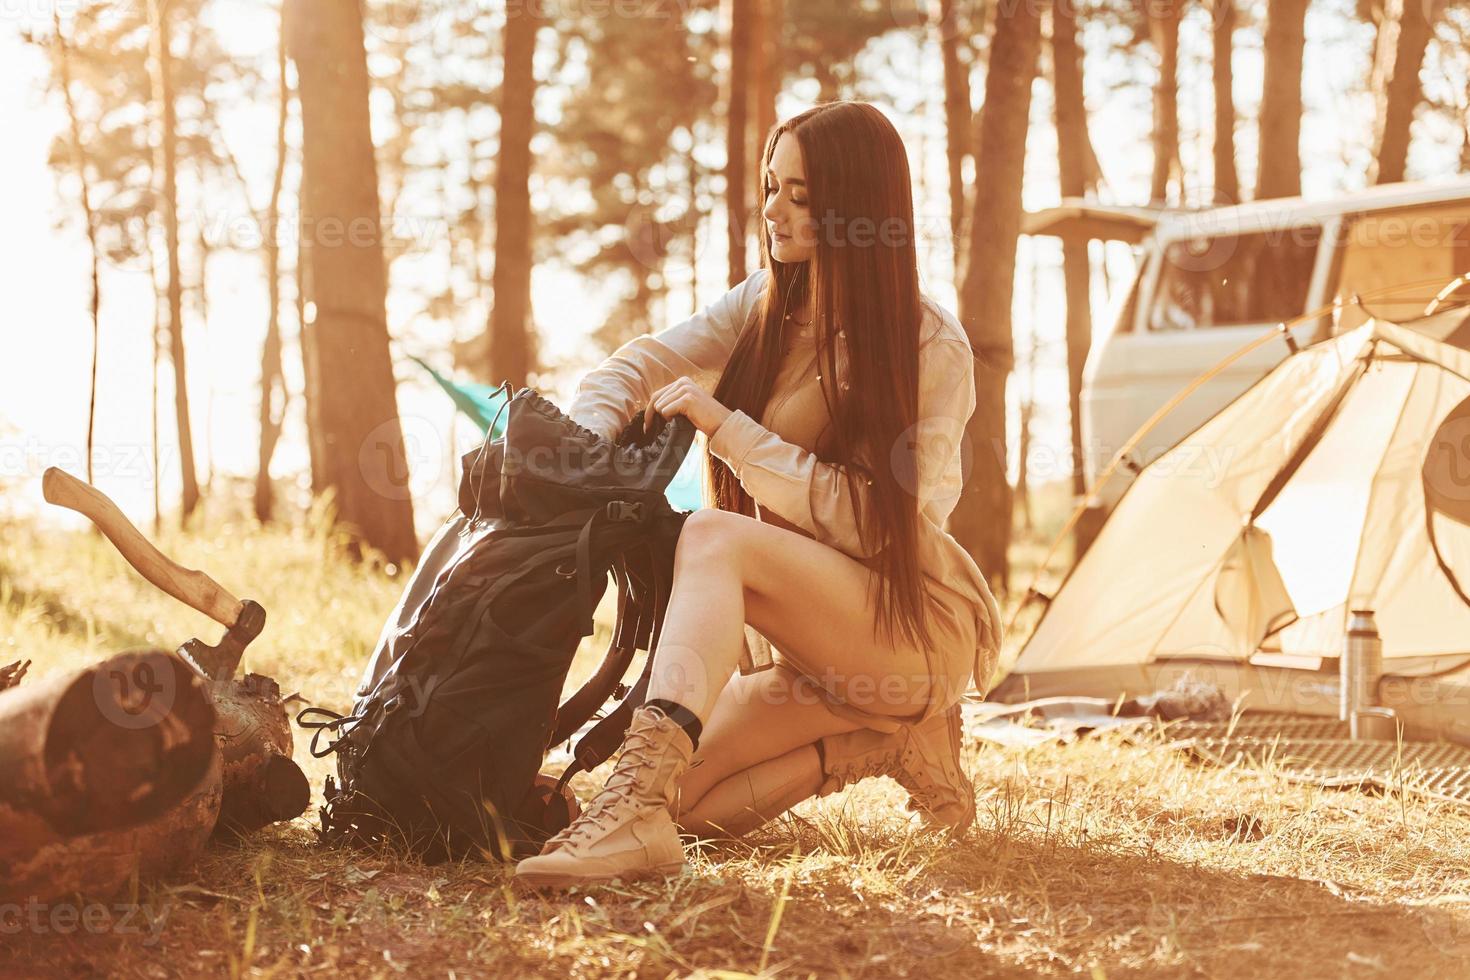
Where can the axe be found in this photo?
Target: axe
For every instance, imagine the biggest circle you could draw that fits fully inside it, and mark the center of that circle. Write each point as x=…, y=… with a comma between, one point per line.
x=243, y=621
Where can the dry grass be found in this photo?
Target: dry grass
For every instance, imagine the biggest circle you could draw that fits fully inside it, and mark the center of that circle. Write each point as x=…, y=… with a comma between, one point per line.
x=1099, y=859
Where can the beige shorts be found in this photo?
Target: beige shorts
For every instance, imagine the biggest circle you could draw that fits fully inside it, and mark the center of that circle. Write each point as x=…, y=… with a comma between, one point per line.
x=947, y=668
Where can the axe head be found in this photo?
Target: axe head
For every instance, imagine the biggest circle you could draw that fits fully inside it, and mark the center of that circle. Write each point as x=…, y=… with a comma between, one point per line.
x=218, y=662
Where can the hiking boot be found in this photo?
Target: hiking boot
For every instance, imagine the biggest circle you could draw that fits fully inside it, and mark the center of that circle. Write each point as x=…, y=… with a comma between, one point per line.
x=625, y=831
x=923, y=758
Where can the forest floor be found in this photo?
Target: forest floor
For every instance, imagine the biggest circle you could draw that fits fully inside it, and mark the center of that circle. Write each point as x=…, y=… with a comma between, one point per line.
x=1101, y=858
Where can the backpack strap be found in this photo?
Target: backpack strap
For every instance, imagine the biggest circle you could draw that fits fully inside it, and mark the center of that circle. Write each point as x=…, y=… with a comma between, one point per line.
x=595, y=691
x=639, y=612
x=598, y=745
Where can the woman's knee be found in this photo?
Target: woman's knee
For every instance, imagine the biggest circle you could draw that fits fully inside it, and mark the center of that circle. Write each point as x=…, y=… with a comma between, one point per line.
x=710, y=533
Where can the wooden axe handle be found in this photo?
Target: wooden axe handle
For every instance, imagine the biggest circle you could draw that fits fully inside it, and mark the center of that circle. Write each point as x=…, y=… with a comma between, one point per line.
x=190, y=586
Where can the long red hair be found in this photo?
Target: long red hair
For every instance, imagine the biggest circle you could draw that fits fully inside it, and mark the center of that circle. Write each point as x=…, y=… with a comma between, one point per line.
x=864, y=278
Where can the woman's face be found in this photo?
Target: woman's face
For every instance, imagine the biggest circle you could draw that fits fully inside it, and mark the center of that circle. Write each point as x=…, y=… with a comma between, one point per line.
x=787, y=213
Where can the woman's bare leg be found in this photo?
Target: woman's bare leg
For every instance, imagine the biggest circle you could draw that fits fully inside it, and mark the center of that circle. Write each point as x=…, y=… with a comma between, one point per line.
x=758, y=717
x=804, y=596
x=752, y=797
x=813, y=603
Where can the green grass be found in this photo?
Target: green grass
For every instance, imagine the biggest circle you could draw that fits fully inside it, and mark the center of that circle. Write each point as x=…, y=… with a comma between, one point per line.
x=1099, y=859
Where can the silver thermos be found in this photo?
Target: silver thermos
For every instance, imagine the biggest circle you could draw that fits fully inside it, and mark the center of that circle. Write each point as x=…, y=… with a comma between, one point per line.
x=1360, y=669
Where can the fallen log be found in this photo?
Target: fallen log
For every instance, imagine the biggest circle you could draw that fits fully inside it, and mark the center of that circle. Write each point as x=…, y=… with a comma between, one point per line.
x=262, y=785
x=87, y=757
x=101, y=864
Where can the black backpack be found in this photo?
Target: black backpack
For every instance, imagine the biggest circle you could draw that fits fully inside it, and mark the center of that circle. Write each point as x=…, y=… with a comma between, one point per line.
x=441, y=753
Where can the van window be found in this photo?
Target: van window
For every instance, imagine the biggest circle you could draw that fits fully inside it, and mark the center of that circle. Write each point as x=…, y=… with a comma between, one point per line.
x=1396, y=261
x=1234, y=280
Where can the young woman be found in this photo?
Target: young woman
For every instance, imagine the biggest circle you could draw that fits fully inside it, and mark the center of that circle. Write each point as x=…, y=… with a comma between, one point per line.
x=835, y=421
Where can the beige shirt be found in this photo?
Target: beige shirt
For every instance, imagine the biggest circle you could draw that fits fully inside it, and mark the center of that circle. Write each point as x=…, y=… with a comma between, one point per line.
x=777, y=459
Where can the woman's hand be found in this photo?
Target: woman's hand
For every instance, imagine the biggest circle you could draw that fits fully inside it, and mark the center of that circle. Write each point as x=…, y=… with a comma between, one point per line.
x=683, y=397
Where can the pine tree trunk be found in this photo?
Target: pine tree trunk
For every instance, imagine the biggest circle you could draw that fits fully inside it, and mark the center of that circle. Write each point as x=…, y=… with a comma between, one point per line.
x=306, y=340
x=1163, y=27
x=736, y=202
x=982, y=517
x=510, y=323
x=161, y=64
x=1222, y=36
x=1400, y=54
x=271, y=379
x=1027, y=412
x=201, y=293
x=765, y=76
x=1465, y=134
x=958, y=123
x=364, y=462
x=157, y=356
x=1072, y=149
x=79, y=161
x=695, y=219
x=1279, y=170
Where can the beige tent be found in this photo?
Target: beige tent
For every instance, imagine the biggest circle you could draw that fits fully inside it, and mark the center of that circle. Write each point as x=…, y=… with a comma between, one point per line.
x=1339, y=481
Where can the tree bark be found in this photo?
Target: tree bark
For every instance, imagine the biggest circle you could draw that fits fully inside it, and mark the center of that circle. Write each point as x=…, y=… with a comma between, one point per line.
x=1072, y=152
x=157, y=356
x=161, y=64
x=1465, y=134
x=364, y=463
x=1163, y=28
x=1028, y=400
x=695, y=219
x=736, y=202
x=765, y=74
x=271, y=379
x=1279, y=170
x=1402, y=40
x=79, y=160
x=510, y=323
x=201, y=293
x=306, y=338
x=958, y=123
x=982, y=517
x=1222, y=36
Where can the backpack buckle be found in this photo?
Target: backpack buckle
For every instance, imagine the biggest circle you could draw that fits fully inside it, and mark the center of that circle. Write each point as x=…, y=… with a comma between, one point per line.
x=625, y=510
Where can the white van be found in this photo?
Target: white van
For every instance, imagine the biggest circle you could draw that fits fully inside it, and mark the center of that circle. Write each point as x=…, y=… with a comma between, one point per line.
x=1211, y=281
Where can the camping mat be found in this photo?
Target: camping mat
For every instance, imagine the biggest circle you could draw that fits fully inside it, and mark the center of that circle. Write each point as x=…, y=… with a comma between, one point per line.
x=1318, y=750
